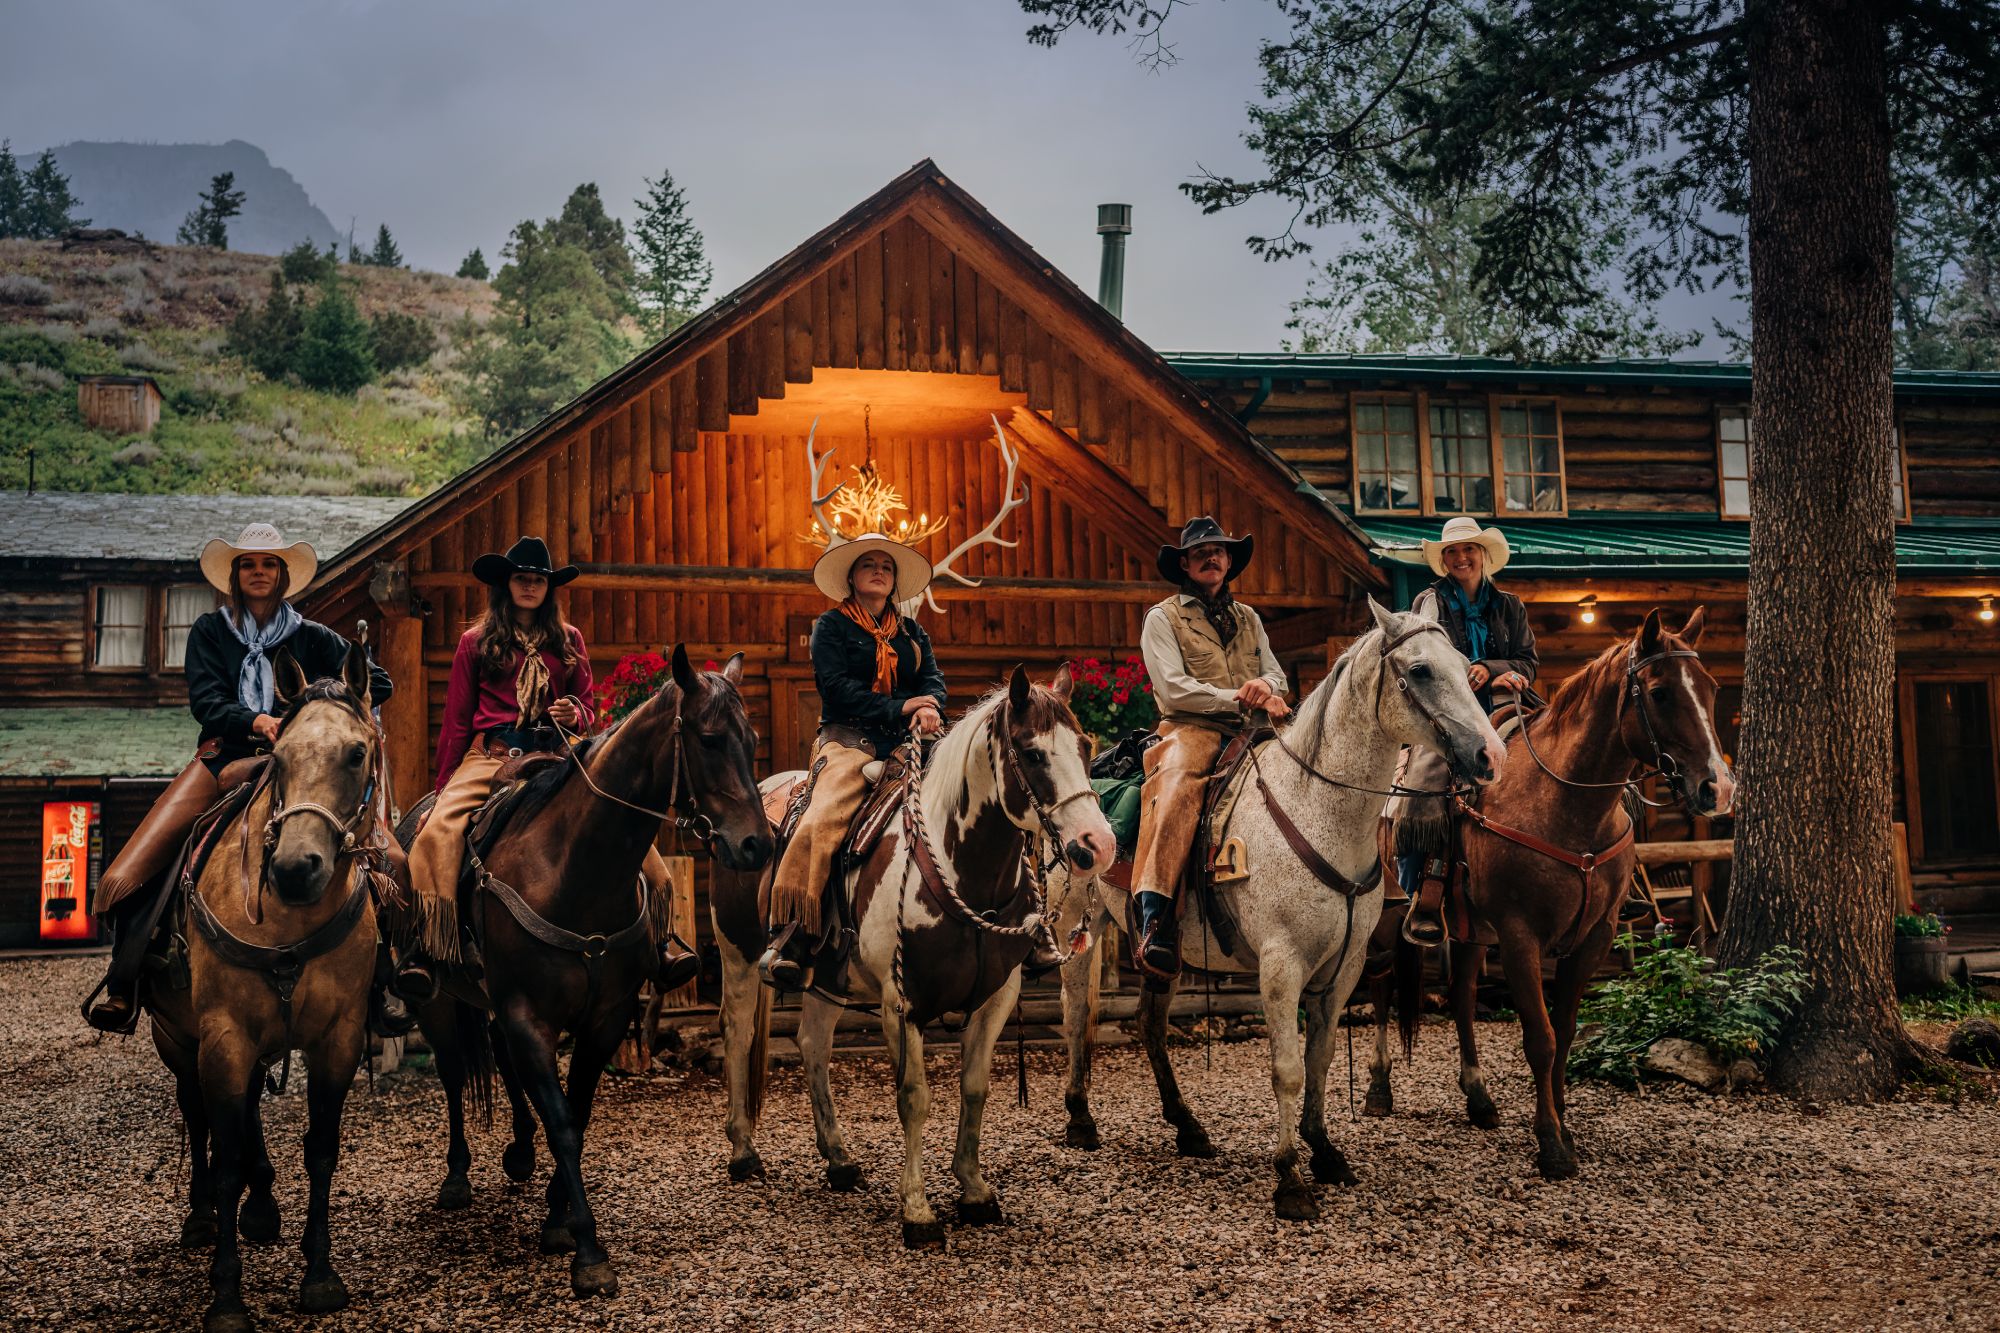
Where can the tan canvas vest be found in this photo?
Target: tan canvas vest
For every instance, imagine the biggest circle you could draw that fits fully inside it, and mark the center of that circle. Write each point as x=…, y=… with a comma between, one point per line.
x=1206, y=657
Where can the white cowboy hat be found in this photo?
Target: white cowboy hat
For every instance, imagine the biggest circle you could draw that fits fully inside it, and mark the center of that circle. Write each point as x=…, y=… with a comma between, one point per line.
x=219, y=556
x=913, y=572
x=1468, y=530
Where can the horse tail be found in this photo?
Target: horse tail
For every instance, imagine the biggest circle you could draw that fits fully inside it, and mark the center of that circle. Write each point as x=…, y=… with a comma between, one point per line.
x=1408, y=979
x=760, y=1055
x=475, y=1045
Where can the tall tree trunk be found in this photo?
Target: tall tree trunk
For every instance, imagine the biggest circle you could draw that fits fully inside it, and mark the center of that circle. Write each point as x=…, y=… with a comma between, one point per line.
x=1813, y=866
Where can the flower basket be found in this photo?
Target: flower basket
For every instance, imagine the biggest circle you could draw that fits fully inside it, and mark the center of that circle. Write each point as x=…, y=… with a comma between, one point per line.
x=630, y=684
x=1112, y=699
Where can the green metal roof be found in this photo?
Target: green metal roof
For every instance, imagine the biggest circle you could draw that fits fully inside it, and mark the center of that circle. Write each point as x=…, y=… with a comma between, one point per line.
x=1625, y=544
x=95, y=742
x=1724, y=375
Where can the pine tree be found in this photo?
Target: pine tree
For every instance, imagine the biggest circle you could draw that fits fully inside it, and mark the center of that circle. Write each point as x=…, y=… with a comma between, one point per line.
x=336, y=348
x=474, y=266
x=47, y=209
x=585, y=224
x=208, y=224
x=14, y=193
x=674, y=271
x=385, y=254
x=268, y=336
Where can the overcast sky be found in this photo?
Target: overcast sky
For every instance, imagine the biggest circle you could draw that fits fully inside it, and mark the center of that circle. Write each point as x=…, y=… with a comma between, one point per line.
x=453, y=119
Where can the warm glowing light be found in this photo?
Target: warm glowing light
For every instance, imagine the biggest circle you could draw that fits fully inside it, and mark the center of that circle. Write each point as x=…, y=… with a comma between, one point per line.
x=870, y=504
x=1588, y=607
x=1986, y=609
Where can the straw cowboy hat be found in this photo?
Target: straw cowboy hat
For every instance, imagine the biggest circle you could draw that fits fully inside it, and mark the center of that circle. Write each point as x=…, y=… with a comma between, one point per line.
x=530, y=555
x=219, y=557
x=1205, y=531
x=913, y=572
x=1468, y=530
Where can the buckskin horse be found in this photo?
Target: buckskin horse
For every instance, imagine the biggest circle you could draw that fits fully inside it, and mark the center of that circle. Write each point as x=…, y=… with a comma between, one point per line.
x=946, y=907
x=567, y=927
x=1306, y=809
x=279, y=942
x=1548, y=854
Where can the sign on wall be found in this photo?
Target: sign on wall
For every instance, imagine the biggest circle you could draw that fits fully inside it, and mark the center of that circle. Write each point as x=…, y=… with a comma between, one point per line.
x=72, y=858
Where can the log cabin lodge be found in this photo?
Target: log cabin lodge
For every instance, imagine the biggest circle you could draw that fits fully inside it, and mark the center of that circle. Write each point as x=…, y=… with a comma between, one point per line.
x=898, y=336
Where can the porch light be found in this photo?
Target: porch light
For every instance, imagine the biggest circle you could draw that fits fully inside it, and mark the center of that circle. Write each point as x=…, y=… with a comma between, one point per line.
x=1986, y=609
x=1588, y=609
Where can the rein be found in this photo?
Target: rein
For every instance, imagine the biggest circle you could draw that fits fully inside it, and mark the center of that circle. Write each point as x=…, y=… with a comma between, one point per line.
x=696, y=826
x=1663, y=762
x=283, y=964
x=353, y=836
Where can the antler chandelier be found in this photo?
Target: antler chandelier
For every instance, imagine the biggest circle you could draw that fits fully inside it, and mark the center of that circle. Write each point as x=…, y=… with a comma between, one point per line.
x=870, y=504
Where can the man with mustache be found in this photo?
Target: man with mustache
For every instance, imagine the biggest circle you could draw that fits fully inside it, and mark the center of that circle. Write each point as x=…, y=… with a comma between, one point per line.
x=1212, y=668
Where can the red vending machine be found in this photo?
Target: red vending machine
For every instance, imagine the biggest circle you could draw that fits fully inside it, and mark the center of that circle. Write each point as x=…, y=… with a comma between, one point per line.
x=72, y=859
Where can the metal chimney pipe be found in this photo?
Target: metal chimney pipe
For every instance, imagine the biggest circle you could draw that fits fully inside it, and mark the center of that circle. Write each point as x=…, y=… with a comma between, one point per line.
x=1114, y=224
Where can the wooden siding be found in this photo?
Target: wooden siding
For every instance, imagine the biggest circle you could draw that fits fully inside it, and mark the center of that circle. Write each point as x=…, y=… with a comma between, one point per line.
x=45, y=628
x=122, y=409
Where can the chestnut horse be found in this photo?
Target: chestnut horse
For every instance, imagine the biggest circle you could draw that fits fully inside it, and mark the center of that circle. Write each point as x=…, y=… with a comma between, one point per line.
x=280, y=937
x=1548, y=854
x=568, y=931
x=946, y=910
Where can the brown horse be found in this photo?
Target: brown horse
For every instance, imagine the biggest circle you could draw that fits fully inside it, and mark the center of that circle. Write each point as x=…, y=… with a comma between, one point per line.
x=280, y=940
x=1548, y=853
x=568, y=932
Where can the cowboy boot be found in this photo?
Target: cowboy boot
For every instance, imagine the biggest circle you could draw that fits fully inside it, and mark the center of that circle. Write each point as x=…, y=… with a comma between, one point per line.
x=415, y=981
x=679, y=965
x=786, y=964
x=118, y=1010
x=1423, y=923
x=1159, y=943
x=1042, y=959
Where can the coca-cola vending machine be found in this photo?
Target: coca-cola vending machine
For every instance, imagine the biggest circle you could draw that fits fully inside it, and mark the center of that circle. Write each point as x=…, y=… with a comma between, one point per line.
x=72, y=859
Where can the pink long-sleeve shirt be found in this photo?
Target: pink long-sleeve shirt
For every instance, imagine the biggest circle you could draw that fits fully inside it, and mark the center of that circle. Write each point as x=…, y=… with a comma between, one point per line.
x=476, y=701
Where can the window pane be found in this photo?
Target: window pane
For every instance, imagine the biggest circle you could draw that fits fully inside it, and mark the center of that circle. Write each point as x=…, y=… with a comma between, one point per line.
x=1955, y=769
x=1385, y=452
x=1736, y=499
x=1368, y=417
x=186, y=603
x=1461, y=458
x=1735, y=458
x=1897, y=506
x=1734, y=425
x=121, y=627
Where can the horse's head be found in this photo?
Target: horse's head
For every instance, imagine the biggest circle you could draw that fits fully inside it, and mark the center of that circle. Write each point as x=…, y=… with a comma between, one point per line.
x=1670, y=720
x=1045, y=772
x=1424, y=699
x=717, y=745
x=323, y=773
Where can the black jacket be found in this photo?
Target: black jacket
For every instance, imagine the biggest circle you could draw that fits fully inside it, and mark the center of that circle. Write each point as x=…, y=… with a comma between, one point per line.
x=215, y=662
x=1510, y=643
x=843, y=657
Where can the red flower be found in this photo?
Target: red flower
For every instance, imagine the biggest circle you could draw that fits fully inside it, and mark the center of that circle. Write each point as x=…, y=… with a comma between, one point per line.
x=1119, y=697
x=710, y=665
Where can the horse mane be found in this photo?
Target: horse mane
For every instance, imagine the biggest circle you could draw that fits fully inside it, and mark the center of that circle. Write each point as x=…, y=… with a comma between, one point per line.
x=1572, y=696
x=1309, y=718
x=327, y=689
x=1045, y=712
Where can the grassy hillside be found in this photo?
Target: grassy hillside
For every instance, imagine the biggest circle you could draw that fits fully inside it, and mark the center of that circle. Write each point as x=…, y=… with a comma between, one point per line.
x=223, y=427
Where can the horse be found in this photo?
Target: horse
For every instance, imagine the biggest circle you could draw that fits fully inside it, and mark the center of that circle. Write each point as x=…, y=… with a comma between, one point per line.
x=1307, y=805
x=946, y=907
x=575, y=934
x=280, y=954
x=1549, y=852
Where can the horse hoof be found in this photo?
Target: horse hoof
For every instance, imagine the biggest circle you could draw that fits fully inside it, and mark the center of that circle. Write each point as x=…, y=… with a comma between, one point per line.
x=1483, y=1113
x=323, y=1297
x=257, y=1223
x=1379, y=1106
x=197, y=1233
x=843, y=1177
x=746, y=1168
x=599, y=1279
x=1192, y=1141
x=1331, y=1168
x=923, y=1235
x=1557, y=1164
x=1082, y=1134
x=227, y=1321
x=518, y=1161
x=455, y=1193
x=557, y=1240
x=1295, y=1203
x=982, y=1214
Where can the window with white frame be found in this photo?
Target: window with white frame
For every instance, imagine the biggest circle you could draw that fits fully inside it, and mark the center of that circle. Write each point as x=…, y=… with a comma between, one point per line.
x=1388, y=476
x=1531, y=465
x=119, y=626
x=186, y=603
x=1461, y=457
x=1734, y=435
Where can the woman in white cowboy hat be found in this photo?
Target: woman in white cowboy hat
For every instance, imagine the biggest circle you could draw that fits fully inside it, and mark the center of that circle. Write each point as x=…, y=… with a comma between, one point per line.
x=232, y=694
x=878, y=681
x=1490, y=626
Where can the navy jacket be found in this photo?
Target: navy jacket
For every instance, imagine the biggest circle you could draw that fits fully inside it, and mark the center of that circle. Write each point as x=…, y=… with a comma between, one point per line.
x=215, y=662
x=843, y=656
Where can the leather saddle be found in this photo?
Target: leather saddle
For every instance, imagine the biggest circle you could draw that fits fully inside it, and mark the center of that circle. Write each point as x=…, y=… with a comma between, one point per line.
x=166, y=958
x=1217, y=858
x=888, y=783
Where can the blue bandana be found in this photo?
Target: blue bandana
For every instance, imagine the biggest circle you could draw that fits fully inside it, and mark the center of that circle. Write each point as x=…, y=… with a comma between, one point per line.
x=1474, y=614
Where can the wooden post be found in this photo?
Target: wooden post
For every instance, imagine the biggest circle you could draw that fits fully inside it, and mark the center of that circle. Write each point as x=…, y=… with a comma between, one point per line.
x=680, y=871
x=1899, y=842
x=406, y=717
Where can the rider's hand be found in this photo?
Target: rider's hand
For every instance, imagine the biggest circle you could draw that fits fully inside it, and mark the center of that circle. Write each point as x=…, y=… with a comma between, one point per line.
x=265, y=727
x=1511, y=680
x=1276, y=708
x=1478, y=674
x=566, y=711
x=1255, y=693
x=917, y=701
x=928, y=722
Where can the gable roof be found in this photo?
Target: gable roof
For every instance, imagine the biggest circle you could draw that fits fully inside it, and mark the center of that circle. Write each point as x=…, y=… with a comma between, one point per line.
x=930, y=197
x=170, y=529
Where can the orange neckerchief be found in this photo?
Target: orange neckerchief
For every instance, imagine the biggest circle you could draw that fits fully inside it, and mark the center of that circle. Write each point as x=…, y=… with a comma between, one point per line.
x=885, y=655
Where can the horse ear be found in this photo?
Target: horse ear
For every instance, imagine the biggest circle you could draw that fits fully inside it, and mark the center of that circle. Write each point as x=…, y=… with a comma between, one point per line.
x=1381, y=615
x=1062, y=684
x=288, y=682
x=1649, y=634
x=1696, y=624
x=732, y=670
x=1017, y=687
x=354, y=672
x=684, y=673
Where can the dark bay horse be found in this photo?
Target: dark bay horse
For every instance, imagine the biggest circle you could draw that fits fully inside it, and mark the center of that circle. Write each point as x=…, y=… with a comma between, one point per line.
x=280, y=938
x=946, y=908
x=567, y=936
x=1548, y=855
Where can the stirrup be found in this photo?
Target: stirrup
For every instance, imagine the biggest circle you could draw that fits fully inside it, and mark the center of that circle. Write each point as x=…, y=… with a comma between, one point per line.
x=415, y=981
x=679, y=965
x=116, y=1013
x=1421, y=928
x=778, y=966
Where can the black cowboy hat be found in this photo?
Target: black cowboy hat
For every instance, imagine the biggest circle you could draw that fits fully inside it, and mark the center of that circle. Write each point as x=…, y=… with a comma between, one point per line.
x=530, y=555
x=1205, y=531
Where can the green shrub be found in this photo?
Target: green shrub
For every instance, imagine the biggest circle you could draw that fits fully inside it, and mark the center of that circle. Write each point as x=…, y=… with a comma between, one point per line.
x=335, y=354
x=1736, y=1013
x=1918, y=925
x=1949, y=1005
x=307, y=265
x=400, y=340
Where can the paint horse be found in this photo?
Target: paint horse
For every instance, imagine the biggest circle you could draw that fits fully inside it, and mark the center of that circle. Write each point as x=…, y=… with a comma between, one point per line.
x=946, y=907
x=1307, y=805
x=280, y=948
x=1548, y=854
x=568, y=929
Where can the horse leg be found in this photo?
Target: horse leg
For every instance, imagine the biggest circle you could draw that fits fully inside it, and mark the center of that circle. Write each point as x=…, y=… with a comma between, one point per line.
x=1190, y=1139
x=258, y=1222
x=441, y=1030
x=1521, y=956
x=590, y=1269
x=1280, y=983
x=1080, y=996
x=1573, y=975
x=921, y=1229
x=330, y=1075
x=978, y=1205
x=517, y=1159
x=228, y=1074
x=198, y=1228
x=1329, y=1164
x=745, y=1019
x=1381, y=1099
x=1467, y=960
x=816, y=1023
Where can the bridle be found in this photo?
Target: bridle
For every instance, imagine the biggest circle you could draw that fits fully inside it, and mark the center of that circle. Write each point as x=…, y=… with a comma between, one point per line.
x=697, y=825
x=1045, y=813
x=353, y=831
x=1662, y=763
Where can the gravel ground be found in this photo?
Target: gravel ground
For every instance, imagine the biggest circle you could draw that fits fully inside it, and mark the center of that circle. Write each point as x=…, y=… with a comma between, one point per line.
x=1692, y=1212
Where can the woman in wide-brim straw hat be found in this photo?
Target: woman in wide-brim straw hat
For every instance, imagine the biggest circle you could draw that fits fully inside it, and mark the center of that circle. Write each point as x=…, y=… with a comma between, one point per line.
x=232, y=694
x=1490, y=626
x=878, y=682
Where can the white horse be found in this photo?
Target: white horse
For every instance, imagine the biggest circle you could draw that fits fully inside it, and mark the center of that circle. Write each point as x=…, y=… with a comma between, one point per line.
x=1302, y=929
x=936, y=934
